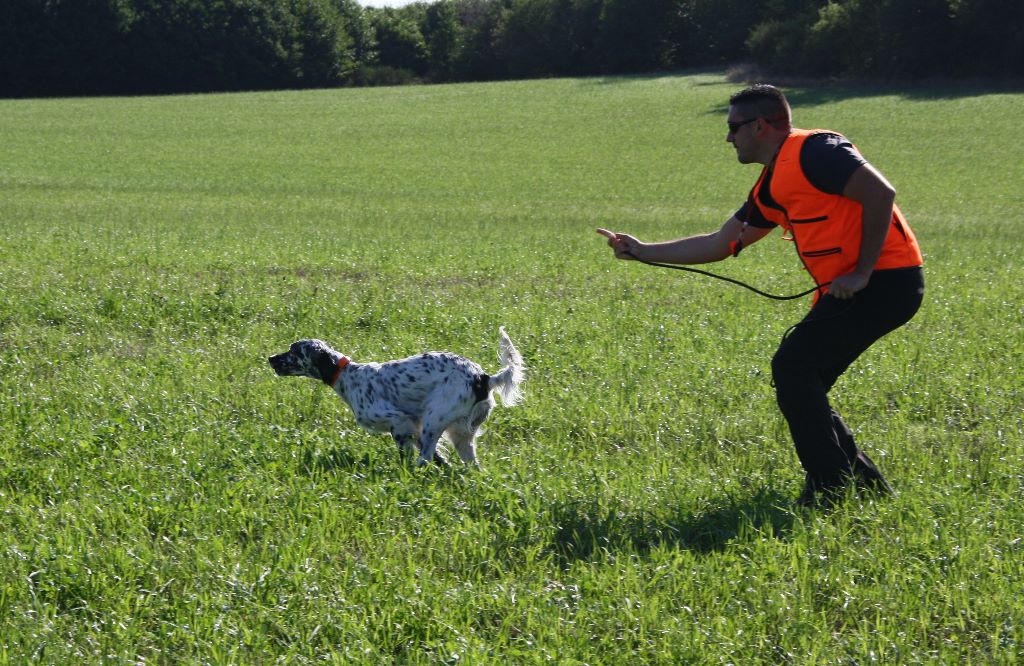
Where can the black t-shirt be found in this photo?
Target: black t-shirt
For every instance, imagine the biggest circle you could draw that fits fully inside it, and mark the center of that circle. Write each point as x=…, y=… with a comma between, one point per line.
x=827, y=159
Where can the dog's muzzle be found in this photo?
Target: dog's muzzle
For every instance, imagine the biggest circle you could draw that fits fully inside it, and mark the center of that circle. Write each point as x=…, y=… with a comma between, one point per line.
x=281, y=363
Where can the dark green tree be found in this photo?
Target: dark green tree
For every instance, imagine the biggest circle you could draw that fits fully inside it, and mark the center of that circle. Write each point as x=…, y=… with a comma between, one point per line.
x=633, y=36
x=64, y=47
x=400, y=42
x=443, y=36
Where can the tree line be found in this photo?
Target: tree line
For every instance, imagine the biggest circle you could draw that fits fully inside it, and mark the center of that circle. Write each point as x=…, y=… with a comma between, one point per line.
x=83, y=47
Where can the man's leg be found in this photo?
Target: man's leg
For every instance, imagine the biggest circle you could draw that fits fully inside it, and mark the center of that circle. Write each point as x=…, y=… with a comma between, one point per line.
x=810, y=360
x=866, y=474
x=802, y=394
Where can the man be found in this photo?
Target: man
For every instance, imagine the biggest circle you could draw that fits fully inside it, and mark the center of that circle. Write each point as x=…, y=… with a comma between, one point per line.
x=840, y=214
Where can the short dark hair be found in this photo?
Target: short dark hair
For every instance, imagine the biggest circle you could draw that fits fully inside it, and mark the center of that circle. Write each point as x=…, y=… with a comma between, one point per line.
x=763, y=101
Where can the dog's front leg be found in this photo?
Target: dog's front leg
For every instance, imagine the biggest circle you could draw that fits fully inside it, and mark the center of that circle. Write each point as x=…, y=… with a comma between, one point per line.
x=406, y=444
x=428, y=447
x=385, y=417
x=406, y=434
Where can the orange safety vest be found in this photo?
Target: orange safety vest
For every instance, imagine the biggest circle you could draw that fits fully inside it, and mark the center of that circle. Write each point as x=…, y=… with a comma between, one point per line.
x=826, y=228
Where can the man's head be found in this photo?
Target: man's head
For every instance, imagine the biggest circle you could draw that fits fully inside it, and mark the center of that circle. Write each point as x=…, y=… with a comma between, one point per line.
x=759, y=121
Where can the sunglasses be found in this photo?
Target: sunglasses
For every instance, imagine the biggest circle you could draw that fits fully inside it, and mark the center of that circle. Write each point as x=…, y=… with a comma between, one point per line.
x=735, y=127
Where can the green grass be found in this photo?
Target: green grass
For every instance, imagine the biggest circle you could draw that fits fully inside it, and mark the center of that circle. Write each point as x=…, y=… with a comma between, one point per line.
x=164, y=498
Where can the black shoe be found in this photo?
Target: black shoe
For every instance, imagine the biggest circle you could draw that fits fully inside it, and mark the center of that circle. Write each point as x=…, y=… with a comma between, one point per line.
x=814, y=496
x=807, y=495
x=869, y=479
x=874, y=487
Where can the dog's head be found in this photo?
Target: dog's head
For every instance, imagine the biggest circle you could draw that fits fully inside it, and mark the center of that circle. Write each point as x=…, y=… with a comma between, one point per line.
x=306, y=358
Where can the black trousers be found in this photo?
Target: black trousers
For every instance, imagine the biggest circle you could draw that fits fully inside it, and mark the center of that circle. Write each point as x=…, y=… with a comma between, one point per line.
x=817, y=351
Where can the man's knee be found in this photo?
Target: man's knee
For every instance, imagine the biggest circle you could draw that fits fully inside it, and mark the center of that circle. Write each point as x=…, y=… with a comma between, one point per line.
x=795, y=379
x=786, y=366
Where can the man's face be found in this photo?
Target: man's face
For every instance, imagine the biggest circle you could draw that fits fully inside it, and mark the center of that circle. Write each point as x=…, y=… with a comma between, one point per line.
x=742, y=134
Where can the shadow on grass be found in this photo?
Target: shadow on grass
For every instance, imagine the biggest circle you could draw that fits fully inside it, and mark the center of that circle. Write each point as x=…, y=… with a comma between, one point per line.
x=810, y=95
x=583, y=528
x=620, y=79
x=816, y=95
x=806, y=92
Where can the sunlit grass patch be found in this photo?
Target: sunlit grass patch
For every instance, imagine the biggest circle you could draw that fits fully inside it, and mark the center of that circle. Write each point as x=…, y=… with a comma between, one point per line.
x=166, y=498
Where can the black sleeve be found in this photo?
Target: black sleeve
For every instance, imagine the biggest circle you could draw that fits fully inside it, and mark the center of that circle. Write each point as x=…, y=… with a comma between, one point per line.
x=829, y=160
x=752, y=215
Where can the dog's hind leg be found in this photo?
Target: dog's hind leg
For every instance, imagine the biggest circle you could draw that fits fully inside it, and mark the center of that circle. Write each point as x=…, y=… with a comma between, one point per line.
x=463, y=434
x=465, y=443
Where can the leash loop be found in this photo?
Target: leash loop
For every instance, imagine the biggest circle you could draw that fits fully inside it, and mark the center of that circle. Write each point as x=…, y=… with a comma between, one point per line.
x=729, y=279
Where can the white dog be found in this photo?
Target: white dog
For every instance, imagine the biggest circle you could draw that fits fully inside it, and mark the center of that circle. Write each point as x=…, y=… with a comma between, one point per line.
x=416, y=399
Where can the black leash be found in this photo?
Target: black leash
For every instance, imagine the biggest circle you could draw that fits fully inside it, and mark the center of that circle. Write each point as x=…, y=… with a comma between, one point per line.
x=753, y=289
x=729, y=279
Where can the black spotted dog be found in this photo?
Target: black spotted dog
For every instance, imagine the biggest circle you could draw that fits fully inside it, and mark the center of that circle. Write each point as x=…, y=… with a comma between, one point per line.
x=416, y=399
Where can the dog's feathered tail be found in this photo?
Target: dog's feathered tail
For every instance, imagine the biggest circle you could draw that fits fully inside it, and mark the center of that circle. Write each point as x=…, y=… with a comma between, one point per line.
x=511, y=377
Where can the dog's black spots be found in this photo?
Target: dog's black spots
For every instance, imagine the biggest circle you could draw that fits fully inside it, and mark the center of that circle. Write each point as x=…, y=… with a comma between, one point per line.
x=481, y=385
x=415, y=399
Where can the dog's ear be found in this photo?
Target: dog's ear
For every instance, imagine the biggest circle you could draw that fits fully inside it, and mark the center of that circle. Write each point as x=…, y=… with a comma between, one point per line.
x=325, y=361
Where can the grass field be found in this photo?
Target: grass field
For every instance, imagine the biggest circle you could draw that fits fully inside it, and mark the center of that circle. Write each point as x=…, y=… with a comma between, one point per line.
x=164, y=498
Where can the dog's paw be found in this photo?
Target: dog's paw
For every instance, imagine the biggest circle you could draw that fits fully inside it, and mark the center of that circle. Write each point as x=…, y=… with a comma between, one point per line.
x=438, y=460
